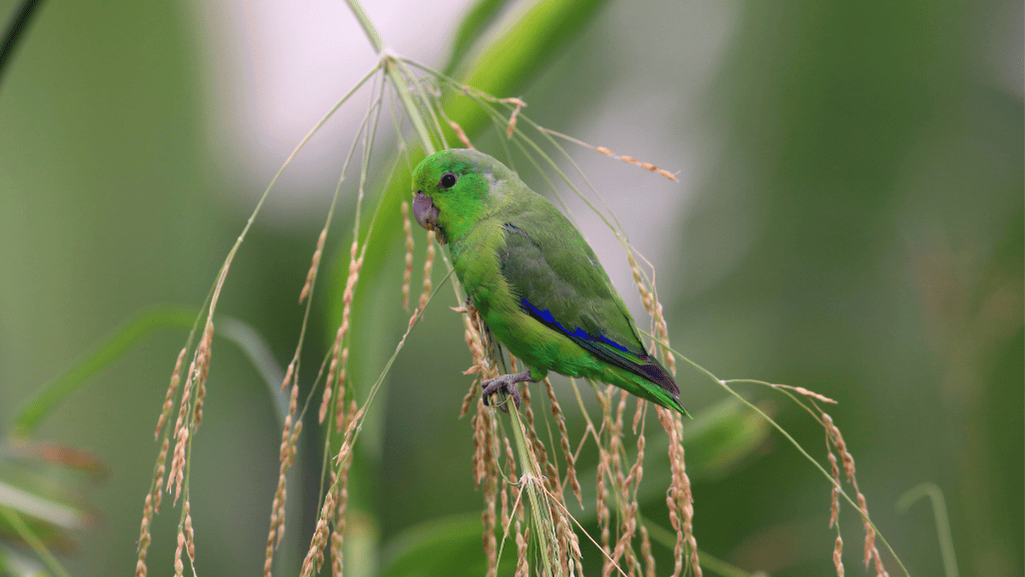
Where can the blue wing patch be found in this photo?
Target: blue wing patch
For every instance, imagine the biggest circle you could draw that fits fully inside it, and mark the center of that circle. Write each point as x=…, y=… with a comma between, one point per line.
x=577, y=333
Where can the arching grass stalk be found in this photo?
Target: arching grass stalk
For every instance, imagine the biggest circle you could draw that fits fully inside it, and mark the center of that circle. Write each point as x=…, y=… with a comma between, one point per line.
x=531, y=479
x=834, y=441
x=939, y=508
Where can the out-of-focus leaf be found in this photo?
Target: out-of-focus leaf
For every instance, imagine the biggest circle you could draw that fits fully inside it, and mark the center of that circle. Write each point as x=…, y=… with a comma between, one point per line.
x=723, y=438
x=482, y=15
x=42, y=502
x=44, y=483
x=518, y=53
x=126, y=337
x=15, y=564
x=142, y=325
x=448, y=546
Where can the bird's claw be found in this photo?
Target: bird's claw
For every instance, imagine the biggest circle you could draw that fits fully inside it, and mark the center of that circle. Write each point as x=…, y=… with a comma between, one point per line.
x=504, y=384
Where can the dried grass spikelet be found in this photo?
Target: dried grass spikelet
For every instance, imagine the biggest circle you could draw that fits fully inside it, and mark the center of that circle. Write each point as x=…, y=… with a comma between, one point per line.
x=838, y=556
x=315, y=555
x=627, y=159
x=171, y=389
x=528, y=410
x=340, y=353
x=355, y=264
x=286, y=456
x=639, y=414
x=836, y=440
x=197, y=409
x=485, y=465
x=460, y=134
x=474, y=335
x=190, y=536
x=646, y=296
x=611, y=455
x=181, y=433
x=504, y=490
x=625, y=498
x=178, y=461
x=679, y=498
x=425, y=294
x=567, y=450
x=834, y=498
x=179, y=566
x=649, y=558
x=158, y=476
x=522, y=565
x=662, y=333
x=480, y=424
x=549, y=475
x=806, y=393
x=512, y=117
x=602, y=497
x=144, y=536
x=151, y=507
x=311, y=275
x=325, y=401
x=340, y=396
x=338, y=534
x=486, y=472
x=337, y=552
x=633, y=478
x=407, y=274
x=337, y=362
x=654, y=309
x=203, y=354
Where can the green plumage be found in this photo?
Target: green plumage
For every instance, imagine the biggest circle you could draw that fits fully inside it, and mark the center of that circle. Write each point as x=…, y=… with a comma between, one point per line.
x=532, y=277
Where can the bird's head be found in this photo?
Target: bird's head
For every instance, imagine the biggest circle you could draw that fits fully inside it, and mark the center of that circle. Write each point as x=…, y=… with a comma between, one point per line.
x=453, y=189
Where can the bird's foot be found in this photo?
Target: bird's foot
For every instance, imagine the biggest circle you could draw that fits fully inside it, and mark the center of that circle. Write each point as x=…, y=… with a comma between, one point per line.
x=505, y=384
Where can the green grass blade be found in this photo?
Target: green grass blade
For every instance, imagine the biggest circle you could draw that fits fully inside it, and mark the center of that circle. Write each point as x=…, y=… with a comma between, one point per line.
x=476, y=22
x=55, y=392
x=131, y=334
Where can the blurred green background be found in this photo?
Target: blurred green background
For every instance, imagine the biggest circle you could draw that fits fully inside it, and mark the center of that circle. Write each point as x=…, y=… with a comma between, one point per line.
x=849, y=219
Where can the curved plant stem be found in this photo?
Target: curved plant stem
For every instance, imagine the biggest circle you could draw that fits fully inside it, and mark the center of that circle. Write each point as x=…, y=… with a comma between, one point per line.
x=391, y=66
x=939, y=508
x=127, y=337
x=131, y=334
x=531, y=480
x=660, y=534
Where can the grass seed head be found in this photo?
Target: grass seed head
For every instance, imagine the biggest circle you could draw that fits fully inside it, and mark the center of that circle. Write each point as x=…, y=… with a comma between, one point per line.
x=838, y=556
x=407, y=275
x=311, y=275
x=179, y=566
x=460, y=134
x=169, y=398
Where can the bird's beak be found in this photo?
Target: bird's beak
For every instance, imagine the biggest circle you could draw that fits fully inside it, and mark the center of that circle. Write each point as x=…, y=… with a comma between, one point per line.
x=425, y=212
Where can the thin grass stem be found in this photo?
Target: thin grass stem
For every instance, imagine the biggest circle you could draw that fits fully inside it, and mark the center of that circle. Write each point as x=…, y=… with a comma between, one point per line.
x=22, y=529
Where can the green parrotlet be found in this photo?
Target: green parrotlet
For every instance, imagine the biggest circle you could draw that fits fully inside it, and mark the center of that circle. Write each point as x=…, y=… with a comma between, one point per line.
x=533, y=278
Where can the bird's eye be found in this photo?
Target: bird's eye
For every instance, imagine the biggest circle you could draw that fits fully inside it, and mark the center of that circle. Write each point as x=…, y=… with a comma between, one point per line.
x=448, y=180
